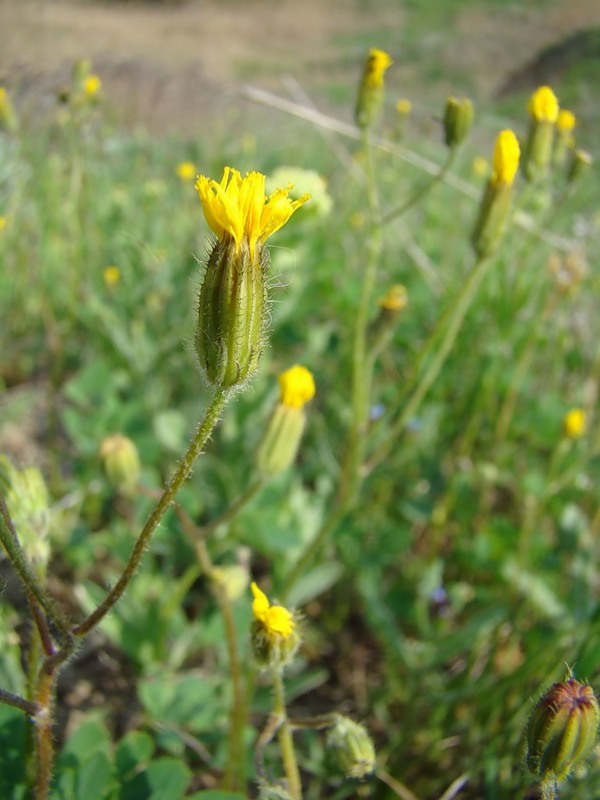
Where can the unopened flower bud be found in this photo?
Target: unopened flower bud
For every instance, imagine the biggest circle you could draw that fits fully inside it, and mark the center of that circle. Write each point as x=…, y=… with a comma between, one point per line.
x=231, y=579
x=563, y=142
x=458, y=118
x=580, y=164
x=279, y=446
x=574, y=423
x=28, y=502
x=121, y=462
x=537, y=152
x=391, y=307
x=353, y=746
x=370, y=94
x=562, y=730
x=233, y=297
x=274, y=635
x=495, y=204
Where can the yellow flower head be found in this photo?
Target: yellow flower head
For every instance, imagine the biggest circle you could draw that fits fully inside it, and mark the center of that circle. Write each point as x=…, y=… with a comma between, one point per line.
x=186, y=171
x=543, y=105
x=2, y=223
x=506, y=158
x=297, y=386
x=566, y=121
x=377, y=63
x=112, y=275
x=4, y=101
x=396, y=299
x=574, y=423
x=92, y=85
x=237, y=208
x=404, y=106
x=277, y=621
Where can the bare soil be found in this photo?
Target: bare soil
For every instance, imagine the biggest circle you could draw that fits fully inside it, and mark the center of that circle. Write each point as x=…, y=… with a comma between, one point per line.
x=172, y=66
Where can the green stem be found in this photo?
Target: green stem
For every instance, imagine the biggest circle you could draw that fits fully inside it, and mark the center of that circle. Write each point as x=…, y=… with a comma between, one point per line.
x=507, y=409
x=361, y=383
x=286, y=742
x=10, y=542
x=235, y=768
x=361, y=390
x=205, y=428
x=459, y=311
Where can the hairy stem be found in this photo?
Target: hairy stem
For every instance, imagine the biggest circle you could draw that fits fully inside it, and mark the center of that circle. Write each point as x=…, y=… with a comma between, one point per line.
x=205, y=428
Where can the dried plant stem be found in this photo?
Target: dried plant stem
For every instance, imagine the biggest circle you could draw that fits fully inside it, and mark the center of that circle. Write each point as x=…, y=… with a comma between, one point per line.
x=205, y=428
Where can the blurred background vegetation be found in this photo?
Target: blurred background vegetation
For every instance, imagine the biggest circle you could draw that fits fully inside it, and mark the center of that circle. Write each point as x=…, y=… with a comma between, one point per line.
x=467, y=576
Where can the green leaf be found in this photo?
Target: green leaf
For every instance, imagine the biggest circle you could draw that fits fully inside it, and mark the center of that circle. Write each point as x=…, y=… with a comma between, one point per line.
x=134, y=750
x=168, y=779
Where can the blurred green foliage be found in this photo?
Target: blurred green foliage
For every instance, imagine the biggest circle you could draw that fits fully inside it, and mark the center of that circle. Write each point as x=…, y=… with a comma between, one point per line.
x=467, y=576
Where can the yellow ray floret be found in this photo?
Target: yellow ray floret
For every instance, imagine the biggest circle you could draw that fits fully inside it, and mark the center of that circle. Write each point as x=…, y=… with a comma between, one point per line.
x=297, y=386
x=377, y=63
x=237, y=208
x=276, y=620
x=543, y=105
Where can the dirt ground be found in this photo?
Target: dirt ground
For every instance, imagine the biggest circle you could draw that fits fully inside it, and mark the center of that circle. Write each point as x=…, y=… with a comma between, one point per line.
x=172, y=66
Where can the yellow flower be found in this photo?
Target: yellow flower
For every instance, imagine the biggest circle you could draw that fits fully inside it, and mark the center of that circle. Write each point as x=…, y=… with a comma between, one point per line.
x=396, y=299
x=237, y=208
x=2, y=223
x=574, y=423
x=186, y=171
x=377, y=64
x=112, y=275
x=566, y=121
x=297, y=386
x=404, y=107
x=543, y=105
x=505, y=162
x=276, y=621
x=92, y=85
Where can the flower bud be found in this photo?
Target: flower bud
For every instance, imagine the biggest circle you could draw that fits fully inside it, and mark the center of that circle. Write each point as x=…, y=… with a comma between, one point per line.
x=562, y=730
x=563, y=142
x=543, y=110
x=495, y=204
x=574, y=423
x=121, y=463
x=580, y=164
x=233, y=296
x=231, y=580
x=458, y=118
x=353, y=746
x=279, y=446
x=391, y=307
x=370, y=94
x=28, y=503
x=274, y=635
